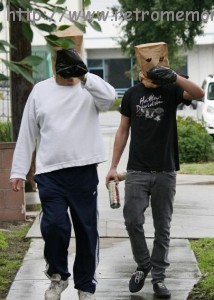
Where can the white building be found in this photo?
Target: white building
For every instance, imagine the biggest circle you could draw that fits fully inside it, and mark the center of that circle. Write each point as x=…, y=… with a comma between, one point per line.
x=200, y=59
x=103, y=53
x=102, y=47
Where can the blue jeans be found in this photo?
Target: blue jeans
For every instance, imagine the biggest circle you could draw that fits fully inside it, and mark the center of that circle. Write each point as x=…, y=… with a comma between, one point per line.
x=74, y=188
x=140, y=189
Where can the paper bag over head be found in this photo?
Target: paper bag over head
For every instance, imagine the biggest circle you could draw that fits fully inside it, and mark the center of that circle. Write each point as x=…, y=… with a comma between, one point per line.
x=151, y=55
x=73, y=33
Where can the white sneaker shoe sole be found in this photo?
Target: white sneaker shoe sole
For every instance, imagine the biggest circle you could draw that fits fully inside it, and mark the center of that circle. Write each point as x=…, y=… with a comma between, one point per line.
x=86, y=296
x=54, y=293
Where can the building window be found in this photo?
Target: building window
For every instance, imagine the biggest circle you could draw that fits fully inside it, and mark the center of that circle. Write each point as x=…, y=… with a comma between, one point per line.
x=96, y=67
x=183, y=68
x=43, y=70
x=114, y=71
x=95, y=63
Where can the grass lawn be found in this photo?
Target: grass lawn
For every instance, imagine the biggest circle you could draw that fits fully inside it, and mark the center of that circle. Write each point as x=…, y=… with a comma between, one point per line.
x=203, y=248
x=197, y=168
x=204, y=252
x=13, y=247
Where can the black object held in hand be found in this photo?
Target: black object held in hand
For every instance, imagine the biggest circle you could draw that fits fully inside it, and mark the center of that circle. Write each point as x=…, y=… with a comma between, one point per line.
x=70, y=64
x=162, y=75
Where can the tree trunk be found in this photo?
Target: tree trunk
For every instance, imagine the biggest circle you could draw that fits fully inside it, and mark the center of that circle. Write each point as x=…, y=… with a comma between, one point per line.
x=20, y=88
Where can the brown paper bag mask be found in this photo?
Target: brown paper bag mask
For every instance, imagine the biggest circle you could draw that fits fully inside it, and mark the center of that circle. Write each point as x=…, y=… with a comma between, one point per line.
x=72, y=33
x=151, y=55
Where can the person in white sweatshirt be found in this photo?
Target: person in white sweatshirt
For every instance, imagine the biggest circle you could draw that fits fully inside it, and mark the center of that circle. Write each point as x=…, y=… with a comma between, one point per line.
x=61, y=115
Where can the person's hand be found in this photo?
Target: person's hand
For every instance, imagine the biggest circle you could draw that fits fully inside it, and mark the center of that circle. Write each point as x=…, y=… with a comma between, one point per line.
x=112, y=175
x=16, y=184
x=83, y=79
x=70, y=64
x=162, y=75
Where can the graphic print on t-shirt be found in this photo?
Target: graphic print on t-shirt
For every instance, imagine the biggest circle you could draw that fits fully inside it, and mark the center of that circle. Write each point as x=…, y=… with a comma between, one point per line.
x=150, y=108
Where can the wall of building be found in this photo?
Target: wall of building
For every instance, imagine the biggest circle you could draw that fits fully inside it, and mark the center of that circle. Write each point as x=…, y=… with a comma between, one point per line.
x=201, y=57
x=201, y=62
x=12, y=205
x=100, y=53
x=103, y=45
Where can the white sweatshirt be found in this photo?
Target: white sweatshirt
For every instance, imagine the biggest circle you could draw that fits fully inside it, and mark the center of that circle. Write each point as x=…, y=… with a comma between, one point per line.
x=65, y=122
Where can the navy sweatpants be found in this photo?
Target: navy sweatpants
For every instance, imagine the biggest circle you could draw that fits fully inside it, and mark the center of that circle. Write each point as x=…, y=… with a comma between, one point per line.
x=74, y=188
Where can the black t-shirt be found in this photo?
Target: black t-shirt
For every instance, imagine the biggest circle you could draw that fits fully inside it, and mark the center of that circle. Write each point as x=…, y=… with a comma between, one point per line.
x=152, y=113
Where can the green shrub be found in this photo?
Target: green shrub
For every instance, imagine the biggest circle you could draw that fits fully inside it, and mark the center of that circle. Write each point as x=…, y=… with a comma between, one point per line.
x=195, y=144
x=5, y=131
x=115, y=104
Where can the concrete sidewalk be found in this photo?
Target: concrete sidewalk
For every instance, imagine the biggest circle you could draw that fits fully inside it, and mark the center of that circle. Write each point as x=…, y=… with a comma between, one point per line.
x=193, y=218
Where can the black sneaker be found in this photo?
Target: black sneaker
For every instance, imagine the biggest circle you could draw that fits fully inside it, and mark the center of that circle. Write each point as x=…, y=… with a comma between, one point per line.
x=161, y=290
x=137, y=280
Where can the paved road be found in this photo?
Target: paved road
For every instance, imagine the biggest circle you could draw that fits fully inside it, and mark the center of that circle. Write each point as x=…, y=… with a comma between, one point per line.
x=193, y=218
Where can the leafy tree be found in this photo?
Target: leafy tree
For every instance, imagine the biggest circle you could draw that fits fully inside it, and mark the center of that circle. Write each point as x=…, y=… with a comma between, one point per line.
x=41, y=15
x=20, y=60
x=174, y=22
x=23, y=15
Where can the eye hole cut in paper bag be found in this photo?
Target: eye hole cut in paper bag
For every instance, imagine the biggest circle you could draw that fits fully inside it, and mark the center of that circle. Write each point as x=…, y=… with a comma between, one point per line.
x=73, y=33
x=151, y=55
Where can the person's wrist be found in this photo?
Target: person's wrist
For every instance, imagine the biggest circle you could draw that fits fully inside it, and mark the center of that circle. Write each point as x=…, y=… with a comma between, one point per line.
x=114, y=167
x=83, y=79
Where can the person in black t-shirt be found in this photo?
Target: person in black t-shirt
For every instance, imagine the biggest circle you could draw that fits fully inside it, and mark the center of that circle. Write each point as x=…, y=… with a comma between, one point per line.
x=149, y=115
